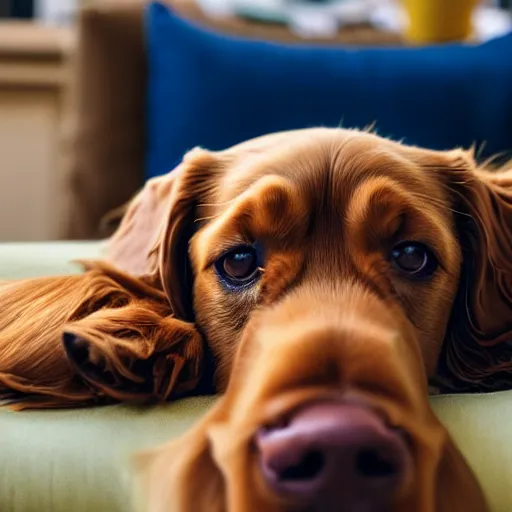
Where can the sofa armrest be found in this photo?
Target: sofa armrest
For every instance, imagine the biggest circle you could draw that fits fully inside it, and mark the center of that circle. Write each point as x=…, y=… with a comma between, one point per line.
x=108, y=94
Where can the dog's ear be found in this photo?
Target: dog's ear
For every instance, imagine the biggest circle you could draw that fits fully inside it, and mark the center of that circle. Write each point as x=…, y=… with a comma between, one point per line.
x=198, y=178
x=126, y=345
x=98, y=337
x=154, y=234
x=129, y=248
x=478, y=348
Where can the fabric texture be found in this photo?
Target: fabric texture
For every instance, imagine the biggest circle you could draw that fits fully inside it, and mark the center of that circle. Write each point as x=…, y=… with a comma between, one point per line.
x=79, y=460
x=20, y=260
x=56, y=461
x=214, y=91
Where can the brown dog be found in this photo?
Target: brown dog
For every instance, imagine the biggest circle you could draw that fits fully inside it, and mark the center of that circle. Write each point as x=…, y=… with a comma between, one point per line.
x=232, y=232
x=326, y=410
x=345, y=269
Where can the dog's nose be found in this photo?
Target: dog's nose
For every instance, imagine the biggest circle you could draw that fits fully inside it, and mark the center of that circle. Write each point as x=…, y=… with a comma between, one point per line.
x=332, y=456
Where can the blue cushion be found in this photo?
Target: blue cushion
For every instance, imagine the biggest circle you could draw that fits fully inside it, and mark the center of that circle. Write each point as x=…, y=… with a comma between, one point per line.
x=214, y=90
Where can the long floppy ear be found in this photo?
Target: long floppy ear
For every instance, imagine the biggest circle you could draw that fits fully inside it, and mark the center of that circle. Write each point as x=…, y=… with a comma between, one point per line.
x=130, y=247
x=478, y=347
x=154, y=233
x=99, y=337
x=135, y=349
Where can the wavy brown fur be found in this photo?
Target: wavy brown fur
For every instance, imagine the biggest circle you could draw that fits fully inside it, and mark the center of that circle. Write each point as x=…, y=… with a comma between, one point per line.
x=121, y=341
x=105, y=336
x=478, y=349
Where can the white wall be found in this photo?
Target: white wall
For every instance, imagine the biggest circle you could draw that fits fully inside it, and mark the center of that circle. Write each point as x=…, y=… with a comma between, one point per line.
x=56, y=11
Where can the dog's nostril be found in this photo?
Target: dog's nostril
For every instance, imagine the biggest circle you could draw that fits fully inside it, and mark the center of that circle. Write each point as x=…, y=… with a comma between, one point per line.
x=371, y=464
x=334, y=456
x=308, y=468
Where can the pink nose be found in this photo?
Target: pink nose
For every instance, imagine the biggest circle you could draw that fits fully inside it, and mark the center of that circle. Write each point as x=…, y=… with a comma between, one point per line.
x=332, y=457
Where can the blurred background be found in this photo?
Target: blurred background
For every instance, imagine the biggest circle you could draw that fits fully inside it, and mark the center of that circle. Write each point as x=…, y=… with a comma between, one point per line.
x=98, y=96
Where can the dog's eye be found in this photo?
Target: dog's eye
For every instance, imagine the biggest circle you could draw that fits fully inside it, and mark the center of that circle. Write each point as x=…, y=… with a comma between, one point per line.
x=239, y=266
x=414, y=259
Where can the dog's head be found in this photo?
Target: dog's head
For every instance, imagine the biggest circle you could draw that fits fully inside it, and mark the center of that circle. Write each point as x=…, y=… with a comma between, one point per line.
x=326, y=410
x=314, y=214
x=342, y=270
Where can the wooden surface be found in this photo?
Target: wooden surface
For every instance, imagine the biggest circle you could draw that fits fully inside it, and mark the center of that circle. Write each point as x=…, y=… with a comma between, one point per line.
x=34, y=79
x=31, y=40
x=33, y=55
x=28, y=144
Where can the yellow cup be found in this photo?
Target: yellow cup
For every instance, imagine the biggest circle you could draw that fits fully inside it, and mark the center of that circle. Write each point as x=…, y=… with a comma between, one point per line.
x=439, y=21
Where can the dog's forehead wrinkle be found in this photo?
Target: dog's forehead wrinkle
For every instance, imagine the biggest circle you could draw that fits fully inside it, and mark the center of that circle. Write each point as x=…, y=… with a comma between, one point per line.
x=326, y=169
x=332, y=156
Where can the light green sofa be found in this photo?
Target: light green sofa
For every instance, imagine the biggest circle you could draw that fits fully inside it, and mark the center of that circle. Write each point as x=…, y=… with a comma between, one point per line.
x=77, y=460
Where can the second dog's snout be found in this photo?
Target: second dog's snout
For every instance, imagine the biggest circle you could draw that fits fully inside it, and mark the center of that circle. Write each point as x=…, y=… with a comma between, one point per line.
x=333, y=456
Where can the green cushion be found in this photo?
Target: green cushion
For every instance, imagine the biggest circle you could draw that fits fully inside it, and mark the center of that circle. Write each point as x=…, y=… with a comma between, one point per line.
x=20, y=260
x=78, y=460
x=58, y=461
x=481, y=427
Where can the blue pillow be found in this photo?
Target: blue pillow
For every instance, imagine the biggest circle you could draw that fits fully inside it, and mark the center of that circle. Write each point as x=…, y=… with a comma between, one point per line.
x=214, y=91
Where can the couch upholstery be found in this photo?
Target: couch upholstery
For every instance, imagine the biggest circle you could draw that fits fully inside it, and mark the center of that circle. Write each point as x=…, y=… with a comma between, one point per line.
x=58, y=461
